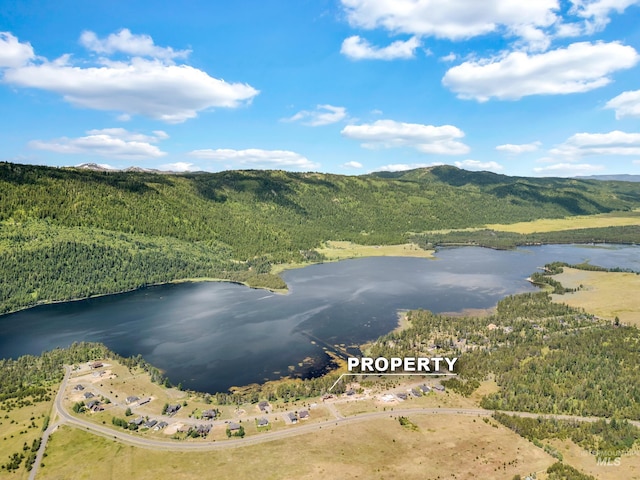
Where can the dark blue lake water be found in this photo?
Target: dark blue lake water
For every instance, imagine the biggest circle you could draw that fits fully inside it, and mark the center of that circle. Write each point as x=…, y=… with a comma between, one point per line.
x=211, y=336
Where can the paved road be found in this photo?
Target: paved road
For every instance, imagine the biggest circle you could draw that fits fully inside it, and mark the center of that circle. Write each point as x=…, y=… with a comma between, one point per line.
x=135, y=440
x=52, y=426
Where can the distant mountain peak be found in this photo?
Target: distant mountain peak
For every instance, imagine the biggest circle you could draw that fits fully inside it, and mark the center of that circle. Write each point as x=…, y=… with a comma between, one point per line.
x=96, y=167
x=623, y=177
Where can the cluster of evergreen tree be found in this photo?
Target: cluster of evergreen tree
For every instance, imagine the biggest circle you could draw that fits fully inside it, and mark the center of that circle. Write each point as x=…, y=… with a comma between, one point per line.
x=604, y=439
x=28, y=375
x=70, y=233
x=506, y=240
x=546, y=357
x=562, y=471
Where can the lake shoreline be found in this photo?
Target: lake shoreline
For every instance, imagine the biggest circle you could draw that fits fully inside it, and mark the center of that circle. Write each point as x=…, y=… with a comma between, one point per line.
x=394, y=285
x=276, y=270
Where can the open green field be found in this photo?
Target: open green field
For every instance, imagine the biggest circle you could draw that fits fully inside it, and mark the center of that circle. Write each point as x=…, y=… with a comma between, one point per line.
x=370, y=450
x=614, y=219
x=601, y=293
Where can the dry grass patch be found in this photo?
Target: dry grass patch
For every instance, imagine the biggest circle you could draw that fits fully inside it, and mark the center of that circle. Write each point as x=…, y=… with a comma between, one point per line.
x=606, y=294
x=627, y=466
x=342, y=250
x=443, y=446
x=16, y=428
x=614, y=219
x=339, y=250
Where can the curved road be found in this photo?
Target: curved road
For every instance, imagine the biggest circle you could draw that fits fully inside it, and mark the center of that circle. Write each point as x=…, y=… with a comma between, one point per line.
x=133, y=439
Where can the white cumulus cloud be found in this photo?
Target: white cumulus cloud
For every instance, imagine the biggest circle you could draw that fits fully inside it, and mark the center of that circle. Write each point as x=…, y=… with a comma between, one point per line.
x=116, y=143
x=580, y=67
x=126, y=42
x=352, y=164
x=596, y=12
x=533, y=24
x=256, y=158
x=450, y=19
x=518, y=149
x=440, y=140
x=179, y=167
x=12, y=52
x=613, y=143
x=569, y=169
x=358, y=48
x=627, y=104
x=401, y=167
x=478, y=165
x=322, y=115
x=150, y=87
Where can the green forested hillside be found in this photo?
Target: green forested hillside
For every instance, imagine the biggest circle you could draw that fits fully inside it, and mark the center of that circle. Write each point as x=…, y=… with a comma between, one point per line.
x=67, y=233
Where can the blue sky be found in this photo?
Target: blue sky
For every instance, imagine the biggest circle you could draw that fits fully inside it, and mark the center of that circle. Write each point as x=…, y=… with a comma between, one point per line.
x=540, y=88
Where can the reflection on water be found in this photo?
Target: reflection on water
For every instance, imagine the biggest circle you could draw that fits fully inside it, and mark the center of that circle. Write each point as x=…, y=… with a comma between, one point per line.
x=210, y=336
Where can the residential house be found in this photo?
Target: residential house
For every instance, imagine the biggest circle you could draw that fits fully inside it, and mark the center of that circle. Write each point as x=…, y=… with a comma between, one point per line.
x=209, y=414
x=292, y=417
x=160, y=426
x=172, y=409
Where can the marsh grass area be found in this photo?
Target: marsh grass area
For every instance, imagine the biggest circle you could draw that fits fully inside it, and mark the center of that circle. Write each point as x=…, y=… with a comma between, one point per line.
x=614, y=219
x=380, y=448
x=602, y=293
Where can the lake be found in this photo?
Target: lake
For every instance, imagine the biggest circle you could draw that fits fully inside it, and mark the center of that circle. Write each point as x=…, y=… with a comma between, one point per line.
x=211, y=336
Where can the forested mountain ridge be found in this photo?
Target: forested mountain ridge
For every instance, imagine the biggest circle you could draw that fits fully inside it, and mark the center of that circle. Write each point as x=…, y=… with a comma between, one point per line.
x=68, y=233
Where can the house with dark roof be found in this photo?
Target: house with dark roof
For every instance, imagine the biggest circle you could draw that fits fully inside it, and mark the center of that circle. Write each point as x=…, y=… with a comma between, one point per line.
x=292, y=417
x=264, y=406
x=160, y=426
x=151, y=423
x=304, y=415
x=263, y=422
x=88, y=395
x=233, y=426
x=425, y=388
x=132, y=399
x=203, y=430
x=78, y=388
x=209, y=414
x=172, y=409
